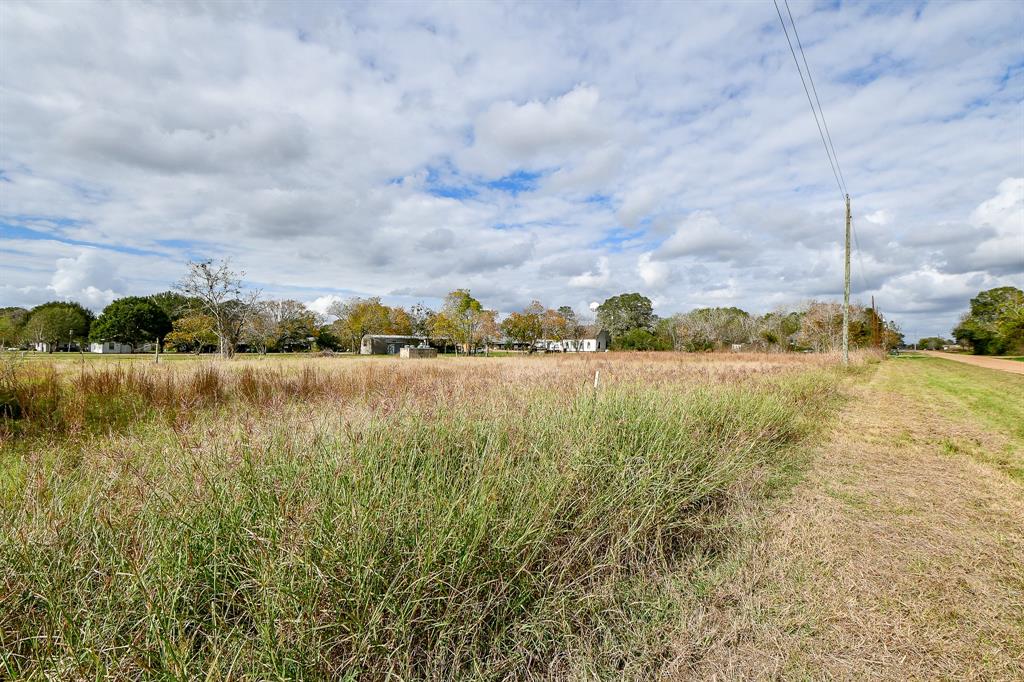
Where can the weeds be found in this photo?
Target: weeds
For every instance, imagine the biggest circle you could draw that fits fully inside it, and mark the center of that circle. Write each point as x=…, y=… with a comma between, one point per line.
x=443, y=521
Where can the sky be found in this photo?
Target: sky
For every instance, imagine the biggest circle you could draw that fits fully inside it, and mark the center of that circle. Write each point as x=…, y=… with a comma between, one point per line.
x=564, y=152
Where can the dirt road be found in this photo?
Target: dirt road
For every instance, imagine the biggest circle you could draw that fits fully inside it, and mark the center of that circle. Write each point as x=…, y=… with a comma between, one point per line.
x=980, y=361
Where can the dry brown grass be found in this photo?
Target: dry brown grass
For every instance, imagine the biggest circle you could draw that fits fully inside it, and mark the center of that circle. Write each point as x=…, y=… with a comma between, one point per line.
x=470, y=518
x=70, y=397
x=894, y=560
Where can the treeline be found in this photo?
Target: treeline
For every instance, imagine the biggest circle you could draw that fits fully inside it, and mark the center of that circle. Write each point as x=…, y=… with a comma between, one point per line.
x=995, y=323
x=210, y=309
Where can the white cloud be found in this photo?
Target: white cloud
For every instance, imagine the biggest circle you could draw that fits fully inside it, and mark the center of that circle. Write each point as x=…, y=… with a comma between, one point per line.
x=320, y=304
x=702, y=235
x=338, y=149
x=879, y=217
x=535, y=133
x=593, y=279
x=653, y=273
x=88, y=278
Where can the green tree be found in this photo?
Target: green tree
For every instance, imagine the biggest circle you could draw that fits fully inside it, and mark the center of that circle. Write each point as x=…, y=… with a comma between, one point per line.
x=57, y=322
x=326, y=339
x=639, y=339
x=420, y=319
x=465, y=315
x=622, y=313
x=777, y=329
x=932, y=343
x=175, y=305
x=12, y=320
x=995, y=323
x=132, y=320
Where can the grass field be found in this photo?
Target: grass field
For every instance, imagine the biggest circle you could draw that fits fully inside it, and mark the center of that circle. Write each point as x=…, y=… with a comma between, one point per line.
x=900, y=554
x=364, y=517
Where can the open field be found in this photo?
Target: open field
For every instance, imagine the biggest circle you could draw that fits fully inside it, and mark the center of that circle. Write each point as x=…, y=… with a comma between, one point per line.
x=451, y=518
x=490, y=518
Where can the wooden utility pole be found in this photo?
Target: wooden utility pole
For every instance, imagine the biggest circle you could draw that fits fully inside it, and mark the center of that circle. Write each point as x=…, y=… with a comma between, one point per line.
x=846, y=290
x=876, y=326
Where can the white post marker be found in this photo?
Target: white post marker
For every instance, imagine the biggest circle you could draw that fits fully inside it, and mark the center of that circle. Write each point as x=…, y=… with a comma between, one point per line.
x=597, y=376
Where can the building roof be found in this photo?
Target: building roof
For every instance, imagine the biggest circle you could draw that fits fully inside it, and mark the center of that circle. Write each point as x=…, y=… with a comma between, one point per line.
x=396, y=337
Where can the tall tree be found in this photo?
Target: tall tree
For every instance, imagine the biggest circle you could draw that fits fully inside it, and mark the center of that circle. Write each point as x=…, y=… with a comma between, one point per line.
x=574, y=328
x=619, y=314
x=133, y=320
x=710, y=328
x=12, y=320
x=358, y=317
x=555, y=325
x=174, y=304
x=488, y=331
x=420, y=318
x=57, y=322
x=463, y=313
x=995, y=323
x=221, y=294
x=524, y=327
x=282, y=325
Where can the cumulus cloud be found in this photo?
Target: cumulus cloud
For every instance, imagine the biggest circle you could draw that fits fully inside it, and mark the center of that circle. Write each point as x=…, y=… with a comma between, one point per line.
x=702, y=235
x=534, y=133
x=89, y=278
x=405, y=152
x=321, y=304
x=997, y=228
x=596, y=278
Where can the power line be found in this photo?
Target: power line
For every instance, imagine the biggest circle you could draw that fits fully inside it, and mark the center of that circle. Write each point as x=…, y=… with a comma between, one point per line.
x=814, y=112
x=823, y=130
x=815, y=91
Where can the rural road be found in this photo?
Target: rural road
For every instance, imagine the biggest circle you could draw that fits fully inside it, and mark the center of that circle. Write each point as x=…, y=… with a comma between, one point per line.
x=980, y=360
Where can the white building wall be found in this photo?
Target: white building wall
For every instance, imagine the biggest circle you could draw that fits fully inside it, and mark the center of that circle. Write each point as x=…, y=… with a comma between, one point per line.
x=110, y=347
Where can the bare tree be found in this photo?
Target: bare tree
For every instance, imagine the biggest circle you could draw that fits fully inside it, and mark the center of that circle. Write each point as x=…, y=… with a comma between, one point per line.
x=220, y=292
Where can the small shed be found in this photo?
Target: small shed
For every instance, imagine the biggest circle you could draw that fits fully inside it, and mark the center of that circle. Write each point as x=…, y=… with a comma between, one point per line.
x=382, y=344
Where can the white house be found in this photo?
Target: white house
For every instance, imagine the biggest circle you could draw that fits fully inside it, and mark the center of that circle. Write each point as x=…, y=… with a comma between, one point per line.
x=594, y=344
x=110, y=347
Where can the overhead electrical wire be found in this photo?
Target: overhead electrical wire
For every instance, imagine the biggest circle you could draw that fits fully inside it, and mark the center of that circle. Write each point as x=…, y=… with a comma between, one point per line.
x=823, y=131
x=810, y=78
x=814, y=111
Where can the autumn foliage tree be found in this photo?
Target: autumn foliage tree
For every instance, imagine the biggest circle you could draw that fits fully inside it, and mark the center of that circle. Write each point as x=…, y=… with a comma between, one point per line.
x=358, y=317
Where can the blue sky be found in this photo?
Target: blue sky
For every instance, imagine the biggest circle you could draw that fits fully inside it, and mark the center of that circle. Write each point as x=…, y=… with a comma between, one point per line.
x=557, y=151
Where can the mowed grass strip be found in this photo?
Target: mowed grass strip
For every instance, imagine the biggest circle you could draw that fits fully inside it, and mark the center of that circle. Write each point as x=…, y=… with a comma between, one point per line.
x=988, y=398
x=437, y=522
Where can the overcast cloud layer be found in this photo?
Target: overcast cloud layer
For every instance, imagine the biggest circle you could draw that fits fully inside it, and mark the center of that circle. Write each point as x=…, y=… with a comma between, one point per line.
x=554, y=151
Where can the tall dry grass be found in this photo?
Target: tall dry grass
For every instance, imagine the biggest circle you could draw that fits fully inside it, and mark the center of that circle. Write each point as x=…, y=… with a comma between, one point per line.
x=475, y=519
